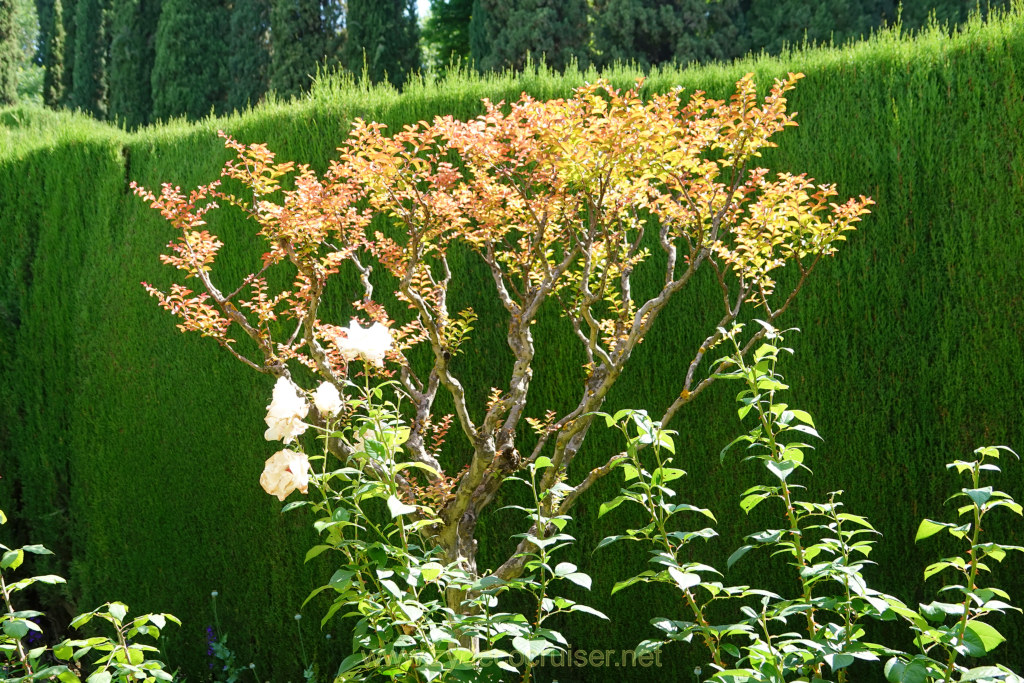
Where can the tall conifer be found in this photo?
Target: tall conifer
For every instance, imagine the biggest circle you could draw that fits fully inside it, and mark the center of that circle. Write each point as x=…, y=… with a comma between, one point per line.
x=53, y=42
x=92, y=46
x=132, y=51
x=304, y=35
x=44, y=17
x=190, y=66
x=249, y=57
x=446, y=32
x=384, y=35
x=9, y=57
x=68, y=11
x=777, y=22
x=555, y=29
x=651, y=32
x=479, y=40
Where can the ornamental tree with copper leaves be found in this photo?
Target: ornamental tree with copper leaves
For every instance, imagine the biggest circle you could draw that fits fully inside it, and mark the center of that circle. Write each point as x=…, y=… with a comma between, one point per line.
x=565, y=198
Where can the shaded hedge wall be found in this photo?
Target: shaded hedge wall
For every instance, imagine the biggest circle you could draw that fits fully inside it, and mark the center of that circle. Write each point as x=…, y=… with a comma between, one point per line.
x=134, y=451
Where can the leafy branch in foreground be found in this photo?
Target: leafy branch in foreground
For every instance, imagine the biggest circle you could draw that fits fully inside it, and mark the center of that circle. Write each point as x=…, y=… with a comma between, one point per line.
x=819, y=633
x=950, y=631
x=120, y=658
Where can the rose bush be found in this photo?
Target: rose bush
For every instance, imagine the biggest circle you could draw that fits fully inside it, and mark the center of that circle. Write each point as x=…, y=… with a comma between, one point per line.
x=567, y=200
x=559, y=200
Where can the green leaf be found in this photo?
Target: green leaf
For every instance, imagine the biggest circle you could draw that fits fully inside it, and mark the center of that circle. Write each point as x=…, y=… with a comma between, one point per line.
x=16, y=628
x=81, y=620
x=981, y=637
x=349, y=663
x=608, y=540
x=118, y=611
x=740, y=552
x=742, y=437
x=341, y=579
x=751, y=501
x=666, y=442
x=610, y=505
x=431, y=570
x=12, y=559
x=36, y=549
x=856, y=519
x=938, y=611
x=663, y=475
x=984, y=673
x=415, y=465
x=399, y=508
x=625, y=412
x=838, y=661
x=731, y=649
x=631, y=581
x=899, y=672
x=684, y=580
x=375, y=448
x=806, y=429
x=979, y=496
x=531, y=649
x=934, y=568
x=412, y=610
x=803, y=416
x=930, y=528
x=780, y=469
x=316, y=551
x=99, y=677
x=51, y=579
x=588, y=610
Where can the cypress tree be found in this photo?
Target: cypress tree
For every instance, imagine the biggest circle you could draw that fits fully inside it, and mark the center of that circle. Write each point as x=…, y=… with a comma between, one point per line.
x=304, y=34
x=68, y=11
x=92, y=45
x=651, y=32
x=385, y=34
x=554, y=29
x=53, y=54
x=44, y=17
x=190, y=64
x=9, y=57
x=447, y=31
x=250, y=52
x=779, y=22
x=133, y=33
x=479, y=40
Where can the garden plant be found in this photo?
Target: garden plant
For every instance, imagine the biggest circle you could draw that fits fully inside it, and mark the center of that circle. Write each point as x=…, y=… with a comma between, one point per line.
x=609, y=206
x=26, y=656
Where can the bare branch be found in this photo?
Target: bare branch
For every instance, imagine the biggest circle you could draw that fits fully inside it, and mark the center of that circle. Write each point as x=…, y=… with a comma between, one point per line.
x=424, y=402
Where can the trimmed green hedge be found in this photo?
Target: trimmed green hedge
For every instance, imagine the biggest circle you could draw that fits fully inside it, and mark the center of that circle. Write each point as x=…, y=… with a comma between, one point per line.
x=134, y=451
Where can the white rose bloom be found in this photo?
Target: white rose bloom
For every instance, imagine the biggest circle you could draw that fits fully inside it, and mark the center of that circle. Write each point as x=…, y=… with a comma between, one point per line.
x=285, y=412
x=370, y=345
x=327, y=399
x=284, y=472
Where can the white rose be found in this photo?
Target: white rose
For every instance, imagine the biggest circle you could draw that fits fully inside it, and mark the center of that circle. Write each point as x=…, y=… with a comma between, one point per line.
x=284, y=472
x=285, y=412
x=371, y=345
x=327, y=399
